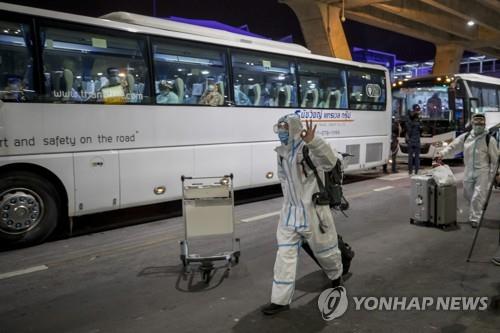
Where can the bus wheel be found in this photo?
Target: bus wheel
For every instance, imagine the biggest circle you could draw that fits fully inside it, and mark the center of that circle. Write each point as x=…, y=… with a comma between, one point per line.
x=30, y=208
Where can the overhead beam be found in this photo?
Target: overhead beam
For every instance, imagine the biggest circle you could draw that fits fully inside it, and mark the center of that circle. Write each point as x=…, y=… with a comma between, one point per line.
x=349, y=4
x=420, y=12
x=469, y=10
x=495, y=53
x=493, y=4
x=379, y=18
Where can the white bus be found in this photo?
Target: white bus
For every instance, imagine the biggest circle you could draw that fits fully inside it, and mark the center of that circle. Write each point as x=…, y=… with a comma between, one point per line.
x=446, y=103
x=100, y=114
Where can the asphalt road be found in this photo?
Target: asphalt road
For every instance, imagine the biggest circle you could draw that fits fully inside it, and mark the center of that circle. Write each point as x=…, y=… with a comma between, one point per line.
x=131, y=279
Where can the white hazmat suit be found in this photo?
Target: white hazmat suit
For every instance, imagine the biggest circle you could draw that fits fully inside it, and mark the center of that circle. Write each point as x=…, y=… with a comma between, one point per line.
x=300, y=217
x=480, y=161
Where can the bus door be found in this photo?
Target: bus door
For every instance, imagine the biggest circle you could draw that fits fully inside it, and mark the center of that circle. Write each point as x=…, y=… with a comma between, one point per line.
x=96, y=181
x=458, y=114
x=398, y=105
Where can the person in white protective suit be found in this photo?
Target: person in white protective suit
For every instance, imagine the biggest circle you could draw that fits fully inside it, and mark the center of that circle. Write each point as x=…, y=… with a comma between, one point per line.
x=480, y=159
x=300, y=219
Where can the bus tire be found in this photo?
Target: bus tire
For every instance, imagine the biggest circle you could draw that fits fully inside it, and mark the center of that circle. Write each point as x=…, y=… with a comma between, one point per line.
x=30, y=208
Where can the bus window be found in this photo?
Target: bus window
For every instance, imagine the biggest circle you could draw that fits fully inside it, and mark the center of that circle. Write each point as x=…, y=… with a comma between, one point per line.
x=83, y=67
x=322, y=86
x=197, y=74
x=16, y=62
x=264, y=80
x=366, y=90
x=475, y=90
x=490, y=99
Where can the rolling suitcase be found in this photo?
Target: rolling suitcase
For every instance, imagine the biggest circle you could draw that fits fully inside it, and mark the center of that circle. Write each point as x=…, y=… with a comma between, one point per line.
x=444, y=205
x=420, y=199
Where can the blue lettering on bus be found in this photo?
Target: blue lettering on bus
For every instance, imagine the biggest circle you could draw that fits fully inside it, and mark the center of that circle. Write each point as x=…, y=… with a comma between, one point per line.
x=305, y=114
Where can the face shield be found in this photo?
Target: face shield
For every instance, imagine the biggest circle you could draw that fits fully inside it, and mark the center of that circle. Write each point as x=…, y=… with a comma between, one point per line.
x=281, y=128
x=478, y=125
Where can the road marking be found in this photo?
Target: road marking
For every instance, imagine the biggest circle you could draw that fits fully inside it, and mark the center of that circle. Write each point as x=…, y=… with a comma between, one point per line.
x=23, y=271
x=260, y=217
x=395, y=177
x=357, y=195
x=383, y=188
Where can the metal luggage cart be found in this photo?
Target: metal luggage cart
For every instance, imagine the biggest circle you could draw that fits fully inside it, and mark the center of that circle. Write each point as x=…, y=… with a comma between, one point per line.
x=208, y=210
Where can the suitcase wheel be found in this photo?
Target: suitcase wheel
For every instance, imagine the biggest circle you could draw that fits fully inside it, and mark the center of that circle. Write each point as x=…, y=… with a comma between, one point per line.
x=412, y=221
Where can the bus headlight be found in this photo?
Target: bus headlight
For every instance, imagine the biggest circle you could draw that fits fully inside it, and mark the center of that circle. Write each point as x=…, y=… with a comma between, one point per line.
x=437, y=144
x=440, y=144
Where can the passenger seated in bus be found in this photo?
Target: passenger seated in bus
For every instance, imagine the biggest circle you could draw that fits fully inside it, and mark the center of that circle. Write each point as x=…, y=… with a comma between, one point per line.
x=310, y=99
x=13, y=91
x=284, y=96
x=115, y=88
x=332, y=99
x=114, y=79
x=62, y=84
x=355, y=101
x=212, y=96
x=240, y=98
x=166, y=95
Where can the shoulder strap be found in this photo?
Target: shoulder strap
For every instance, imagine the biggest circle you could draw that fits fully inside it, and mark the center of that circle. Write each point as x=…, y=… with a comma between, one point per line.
x=488, y=137
x=310, y=164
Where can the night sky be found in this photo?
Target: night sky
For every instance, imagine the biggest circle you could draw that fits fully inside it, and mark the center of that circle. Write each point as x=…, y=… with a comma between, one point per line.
x=264, y=17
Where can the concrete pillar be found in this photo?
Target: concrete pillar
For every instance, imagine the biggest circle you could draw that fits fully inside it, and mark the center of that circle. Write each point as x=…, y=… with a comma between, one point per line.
x=321, y=27
x=447, y=59
x=335, y=31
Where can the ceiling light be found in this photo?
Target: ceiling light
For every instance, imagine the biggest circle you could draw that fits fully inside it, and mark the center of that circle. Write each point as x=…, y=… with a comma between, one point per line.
x=470, y=23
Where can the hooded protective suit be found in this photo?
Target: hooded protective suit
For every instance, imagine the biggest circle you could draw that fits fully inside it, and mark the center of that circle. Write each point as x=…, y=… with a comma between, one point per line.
x=300, y=217
x=480, y=161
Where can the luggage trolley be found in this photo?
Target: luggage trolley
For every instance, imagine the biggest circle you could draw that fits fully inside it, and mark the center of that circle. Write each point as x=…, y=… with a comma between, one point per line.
x=208, y=210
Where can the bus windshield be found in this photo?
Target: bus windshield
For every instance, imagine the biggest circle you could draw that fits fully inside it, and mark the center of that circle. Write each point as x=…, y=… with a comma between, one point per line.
x=433, y=102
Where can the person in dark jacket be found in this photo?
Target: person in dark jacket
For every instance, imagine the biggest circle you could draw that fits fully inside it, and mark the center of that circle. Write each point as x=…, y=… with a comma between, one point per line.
x=413, y=139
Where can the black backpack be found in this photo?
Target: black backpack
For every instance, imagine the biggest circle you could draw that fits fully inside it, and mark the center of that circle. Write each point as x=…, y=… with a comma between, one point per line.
x=488, y=137
x=331, y=192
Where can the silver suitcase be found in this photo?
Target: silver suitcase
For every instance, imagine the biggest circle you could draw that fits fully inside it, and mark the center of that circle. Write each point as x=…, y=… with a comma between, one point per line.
x=420, y=199
x=444, y=204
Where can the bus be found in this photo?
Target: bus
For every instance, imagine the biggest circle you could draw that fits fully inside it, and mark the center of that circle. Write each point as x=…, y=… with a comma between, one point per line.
x=447, y=103
x=100, y=114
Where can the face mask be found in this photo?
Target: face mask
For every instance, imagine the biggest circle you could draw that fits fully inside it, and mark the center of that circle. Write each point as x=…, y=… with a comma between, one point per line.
x=283, y=135
x=211, y=88
x=478, y=129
